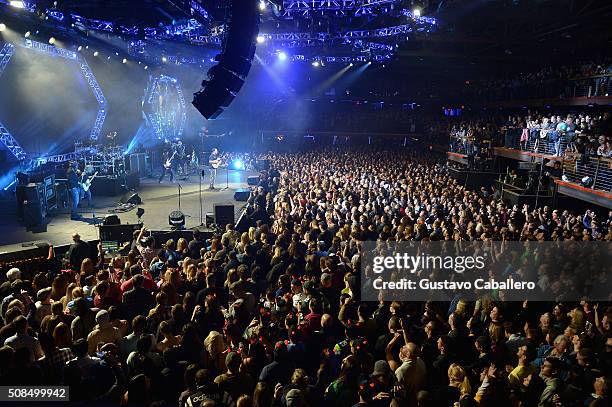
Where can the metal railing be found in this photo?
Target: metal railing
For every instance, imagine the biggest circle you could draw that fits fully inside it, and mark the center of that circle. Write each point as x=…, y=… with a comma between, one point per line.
x=591, y=172
x=512, y=139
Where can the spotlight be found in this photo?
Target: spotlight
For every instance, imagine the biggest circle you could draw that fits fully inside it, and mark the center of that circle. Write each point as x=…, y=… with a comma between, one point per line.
x=124, y=60
x=80, y=48
x=237, y=165
x=146, y=67
x=2, y=27
x=17, y=4
x=164, y=59
x=262, y=5
x=316, y=64
x=27, y=34
x=96, y=53
x=108, y=57
x=261, y=39
x=52, y=40
x=351, y=64
x=176, y=219
x=282, y=56
x=86, y=46
x=416, y=12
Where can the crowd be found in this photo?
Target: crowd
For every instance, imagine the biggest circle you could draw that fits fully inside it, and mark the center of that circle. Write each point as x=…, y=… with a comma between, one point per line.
x=549, y=133
x=590, y=78
x=273, y=316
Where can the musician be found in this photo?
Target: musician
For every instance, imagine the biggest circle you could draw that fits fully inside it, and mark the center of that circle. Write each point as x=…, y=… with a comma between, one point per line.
x=213, y=161
x=85, y=194
x=74, y=189
x=167, y=164
x=180, y=156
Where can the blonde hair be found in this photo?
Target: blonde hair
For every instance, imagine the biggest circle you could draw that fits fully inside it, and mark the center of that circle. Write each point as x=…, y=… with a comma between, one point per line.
x=458, y=378
x=181, y=245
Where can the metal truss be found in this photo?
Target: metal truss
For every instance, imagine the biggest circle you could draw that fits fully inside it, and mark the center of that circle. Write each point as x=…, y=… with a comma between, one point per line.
x=87, y=74
x=60, y=158
x=337, y=7
x=6, y=138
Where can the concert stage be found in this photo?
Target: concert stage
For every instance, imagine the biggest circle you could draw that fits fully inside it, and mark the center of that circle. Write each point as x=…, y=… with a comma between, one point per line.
x=158, y=200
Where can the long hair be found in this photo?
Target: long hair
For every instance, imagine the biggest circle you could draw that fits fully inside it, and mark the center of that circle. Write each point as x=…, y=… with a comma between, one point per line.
x=458, y=378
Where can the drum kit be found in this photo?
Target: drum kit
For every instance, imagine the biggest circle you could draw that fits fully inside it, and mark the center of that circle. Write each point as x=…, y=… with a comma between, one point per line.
x=105, y=159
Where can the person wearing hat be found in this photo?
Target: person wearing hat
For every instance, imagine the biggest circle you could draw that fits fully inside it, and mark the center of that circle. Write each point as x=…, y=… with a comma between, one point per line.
x=43, y=304
x=233, y=381
x=104, y=332
x=294, y=398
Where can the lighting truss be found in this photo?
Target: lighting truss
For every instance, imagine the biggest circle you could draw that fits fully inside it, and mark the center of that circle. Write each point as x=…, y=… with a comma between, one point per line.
x=165, y=115
x=87, y=74
x=337, y=7
x=60, y=158
x=6, y=138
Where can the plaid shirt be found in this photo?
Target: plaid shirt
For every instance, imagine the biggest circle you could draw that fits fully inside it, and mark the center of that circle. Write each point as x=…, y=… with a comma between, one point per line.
x=58, y=357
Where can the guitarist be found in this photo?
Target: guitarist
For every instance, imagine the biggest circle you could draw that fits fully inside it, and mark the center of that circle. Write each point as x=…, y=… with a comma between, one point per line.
x=213, y=161
x=85, y=187
x=168, y=163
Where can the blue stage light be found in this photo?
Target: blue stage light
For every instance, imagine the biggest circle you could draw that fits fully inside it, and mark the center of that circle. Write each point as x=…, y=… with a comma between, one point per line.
x=237, y=165
x=282, y=56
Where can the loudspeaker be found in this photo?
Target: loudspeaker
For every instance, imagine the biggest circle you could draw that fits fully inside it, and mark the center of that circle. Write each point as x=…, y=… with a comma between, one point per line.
x=224, y=214
x=34, y=192
x=242, y=194
x=253, y=180
x=131, y=197
x=226, y=78
x=33, y=213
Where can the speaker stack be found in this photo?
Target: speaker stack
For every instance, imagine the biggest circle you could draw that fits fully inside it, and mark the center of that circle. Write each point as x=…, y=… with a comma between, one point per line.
x=227, y=77
x=223, y=214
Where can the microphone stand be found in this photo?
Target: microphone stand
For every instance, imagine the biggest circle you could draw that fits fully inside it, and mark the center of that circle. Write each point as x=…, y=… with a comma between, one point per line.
x=201, y=210
x=179, y=196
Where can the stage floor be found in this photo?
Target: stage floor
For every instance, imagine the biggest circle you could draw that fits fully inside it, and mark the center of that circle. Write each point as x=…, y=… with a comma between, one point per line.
x=158, y=200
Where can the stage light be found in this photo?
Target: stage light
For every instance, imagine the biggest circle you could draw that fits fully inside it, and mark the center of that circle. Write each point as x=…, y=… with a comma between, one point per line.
x=316, y=64
x=261, y=39
x=80, y=48
x=146, y=67
x=416, y=12
x=282, y=56
x=27, y=34
x=2, y=27
x=52, y=40
x=176, y=219
x=108, y=57
x=116, y=53
x=164, y=59
x=96, y=54
x=17, y=4
x=262, y=5
x=124, y=60
x=351, y=64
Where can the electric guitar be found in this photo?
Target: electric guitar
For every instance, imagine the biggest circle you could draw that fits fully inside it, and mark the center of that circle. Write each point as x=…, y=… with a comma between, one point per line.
x=87, y=183
x=168, y=163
